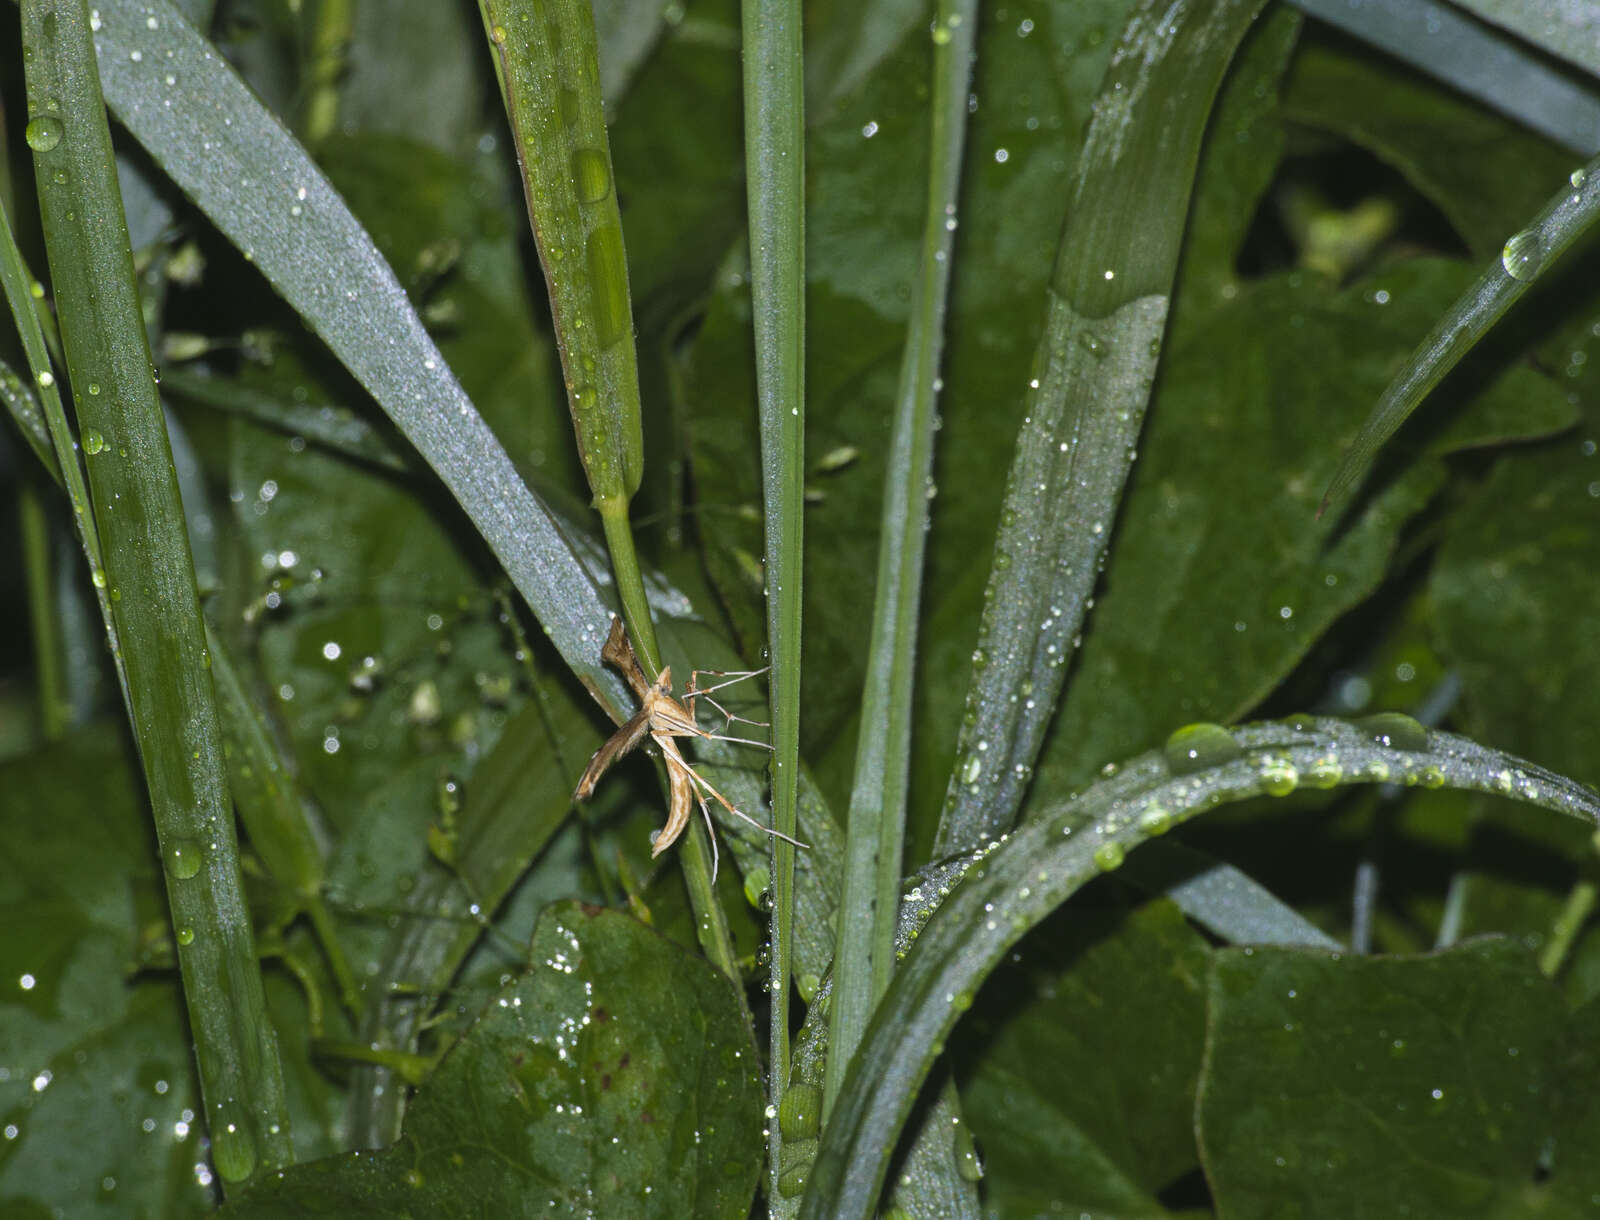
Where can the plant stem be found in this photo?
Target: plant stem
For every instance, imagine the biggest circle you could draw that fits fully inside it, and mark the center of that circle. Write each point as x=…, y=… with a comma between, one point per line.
x=774, y=138
x=875, y=832
x=35, y=529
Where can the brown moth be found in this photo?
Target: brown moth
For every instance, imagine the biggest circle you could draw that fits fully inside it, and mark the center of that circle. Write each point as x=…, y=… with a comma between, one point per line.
x=664, y=719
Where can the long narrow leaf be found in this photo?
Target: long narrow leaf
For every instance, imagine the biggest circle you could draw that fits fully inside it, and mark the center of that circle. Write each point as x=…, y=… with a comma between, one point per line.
x=1527, y=255
x=774, y=137
x=875, y=828
x=1478, y=60
x=150, y=582
x=1030, y=874
x=229, y=154
x=1086, y=395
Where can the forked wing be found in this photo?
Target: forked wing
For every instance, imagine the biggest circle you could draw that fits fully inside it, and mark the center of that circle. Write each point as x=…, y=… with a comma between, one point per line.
x=618, y=744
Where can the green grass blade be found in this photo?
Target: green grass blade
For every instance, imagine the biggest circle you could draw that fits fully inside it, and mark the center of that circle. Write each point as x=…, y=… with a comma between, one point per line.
x=1527, y=255
x=207, y=130
x=774, y=138
x=875, y=829
x=548, y=65
x=150, y=582
x=1478, y=60
x=1569, y=32
x=1086, y=396
x=1009, y=890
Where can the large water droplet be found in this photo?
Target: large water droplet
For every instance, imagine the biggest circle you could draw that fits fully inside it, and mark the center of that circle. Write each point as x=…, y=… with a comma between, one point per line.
x=1108, y=857
x=1523, y=255
x=793, y=1181
x=1198, y=746
x=608, y=273
x=800, y=1112
x=968, y=1163
x=233, y=1147
x=1395, y=730
x=183, y=858
x=93, y=442
x=591, y=174
x=43, y=132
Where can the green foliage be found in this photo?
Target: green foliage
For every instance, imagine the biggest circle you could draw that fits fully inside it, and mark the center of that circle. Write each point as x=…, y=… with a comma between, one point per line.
x=1358, y=978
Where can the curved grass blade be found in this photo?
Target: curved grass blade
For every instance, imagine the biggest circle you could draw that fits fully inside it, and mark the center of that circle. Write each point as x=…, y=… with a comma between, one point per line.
x=1022, y=879
x=774, y=139
x=150, y=582
x=1476, y=59
x=207, y=130
x=1087, y=395
x=1527, y=255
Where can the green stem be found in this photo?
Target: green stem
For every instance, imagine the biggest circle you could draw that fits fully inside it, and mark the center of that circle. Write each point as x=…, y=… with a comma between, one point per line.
x=774, y=139
x=875, y=832
x=630, y=583
x=35, y=528
x=710, y=924
x=330, y=39
x=1574, y=915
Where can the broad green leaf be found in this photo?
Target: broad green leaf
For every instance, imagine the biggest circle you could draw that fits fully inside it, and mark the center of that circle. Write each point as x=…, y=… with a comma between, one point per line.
x=1013, y=887
x=1527, y=255
x=1340, y=1086
x=150, y=584
x=99, y=1103
x=1218, y=587
x=617, y=1077
x=1079, y=1071
x=1514, y=591
x=1478, y=60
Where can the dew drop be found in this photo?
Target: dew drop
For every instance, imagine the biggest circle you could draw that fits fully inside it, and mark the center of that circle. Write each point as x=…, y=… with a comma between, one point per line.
x=93, y=442
x=183, y=858
x=1196, y=747
x=1523, y=255
x=968, y=1163
x=800, y=1112
x=233, y=1148
x=43, y=132
x=1108, y=857
x=793, y=1181
x=186, y=936
x=1395, y=730
x=1279, y=777
x=591, y=174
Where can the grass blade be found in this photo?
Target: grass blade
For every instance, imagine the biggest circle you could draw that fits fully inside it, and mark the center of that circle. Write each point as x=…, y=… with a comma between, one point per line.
x=150, y=582
x=875, y=829
x=1565, y=31
x=206, y=129
x=774, y=138
x=1476, y=59
x=1087, y=396
x=1527, y=255
x=1013, y=887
